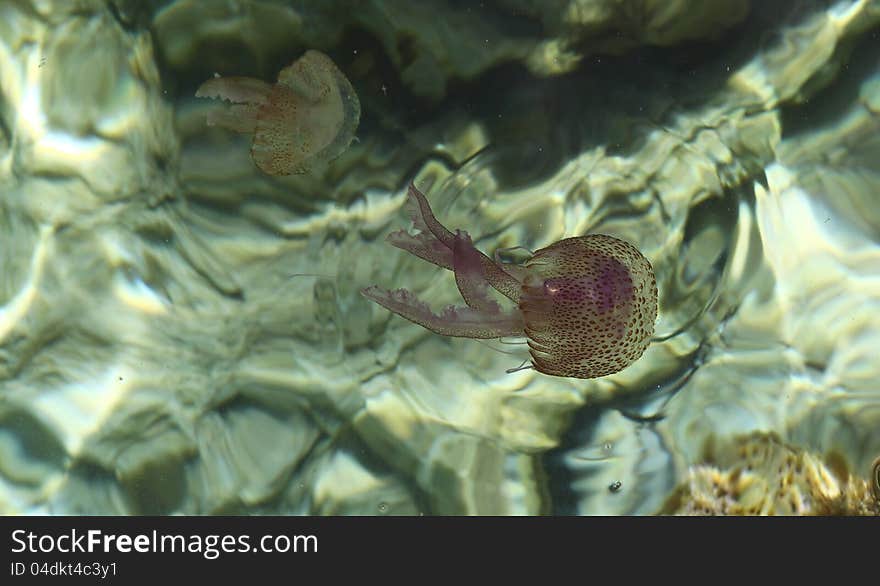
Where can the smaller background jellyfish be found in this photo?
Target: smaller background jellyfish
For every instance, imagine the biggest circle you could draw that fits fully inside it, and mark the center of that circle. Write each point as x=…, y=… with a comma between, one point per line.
x=306, y=119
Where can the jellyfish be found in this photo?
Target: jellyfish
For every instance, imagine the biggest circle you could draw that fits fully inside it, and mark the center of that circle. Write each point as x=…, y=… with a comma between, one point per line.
x=306, y=119
x=586, y=305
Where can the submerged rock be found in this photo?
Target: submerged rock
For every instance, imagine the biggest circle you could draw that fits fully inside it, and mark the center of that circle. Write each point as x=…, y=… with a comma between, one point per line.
x=434, y=42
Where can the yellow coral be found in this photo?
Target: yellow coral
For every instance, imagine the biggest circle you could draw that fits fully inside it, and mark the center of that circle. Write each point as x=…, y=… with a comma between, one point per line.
x=761, y=475
x=875, y=479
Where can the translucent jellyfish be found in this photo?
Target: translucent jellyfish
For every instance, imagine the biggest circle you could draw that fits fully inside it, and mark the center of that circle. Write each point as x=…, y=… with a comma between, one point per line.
x=586, y=305
x=306, y=119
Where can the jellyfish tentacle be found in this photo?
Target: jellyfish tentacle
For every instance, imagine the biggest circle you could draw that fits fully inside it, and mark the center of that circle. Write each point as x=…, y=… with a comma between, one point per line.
x=524, y=365
x=462, y=322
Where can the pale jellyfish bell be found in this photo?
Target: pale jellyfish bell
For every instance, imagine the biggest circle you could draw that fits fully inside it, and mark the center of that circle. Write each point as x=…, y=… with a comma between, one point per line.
x=306, y=119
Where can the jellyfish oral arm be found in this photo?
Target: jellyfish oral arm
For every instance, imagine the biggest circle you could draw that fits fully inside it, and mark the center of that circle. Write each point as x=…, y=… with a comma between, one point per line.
x=436, y=244
x=235, y=89
x=246, y=95
x=462, y=258
x=462, y=322
x=423, y=244
x=474, y=273
x=470, y=275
